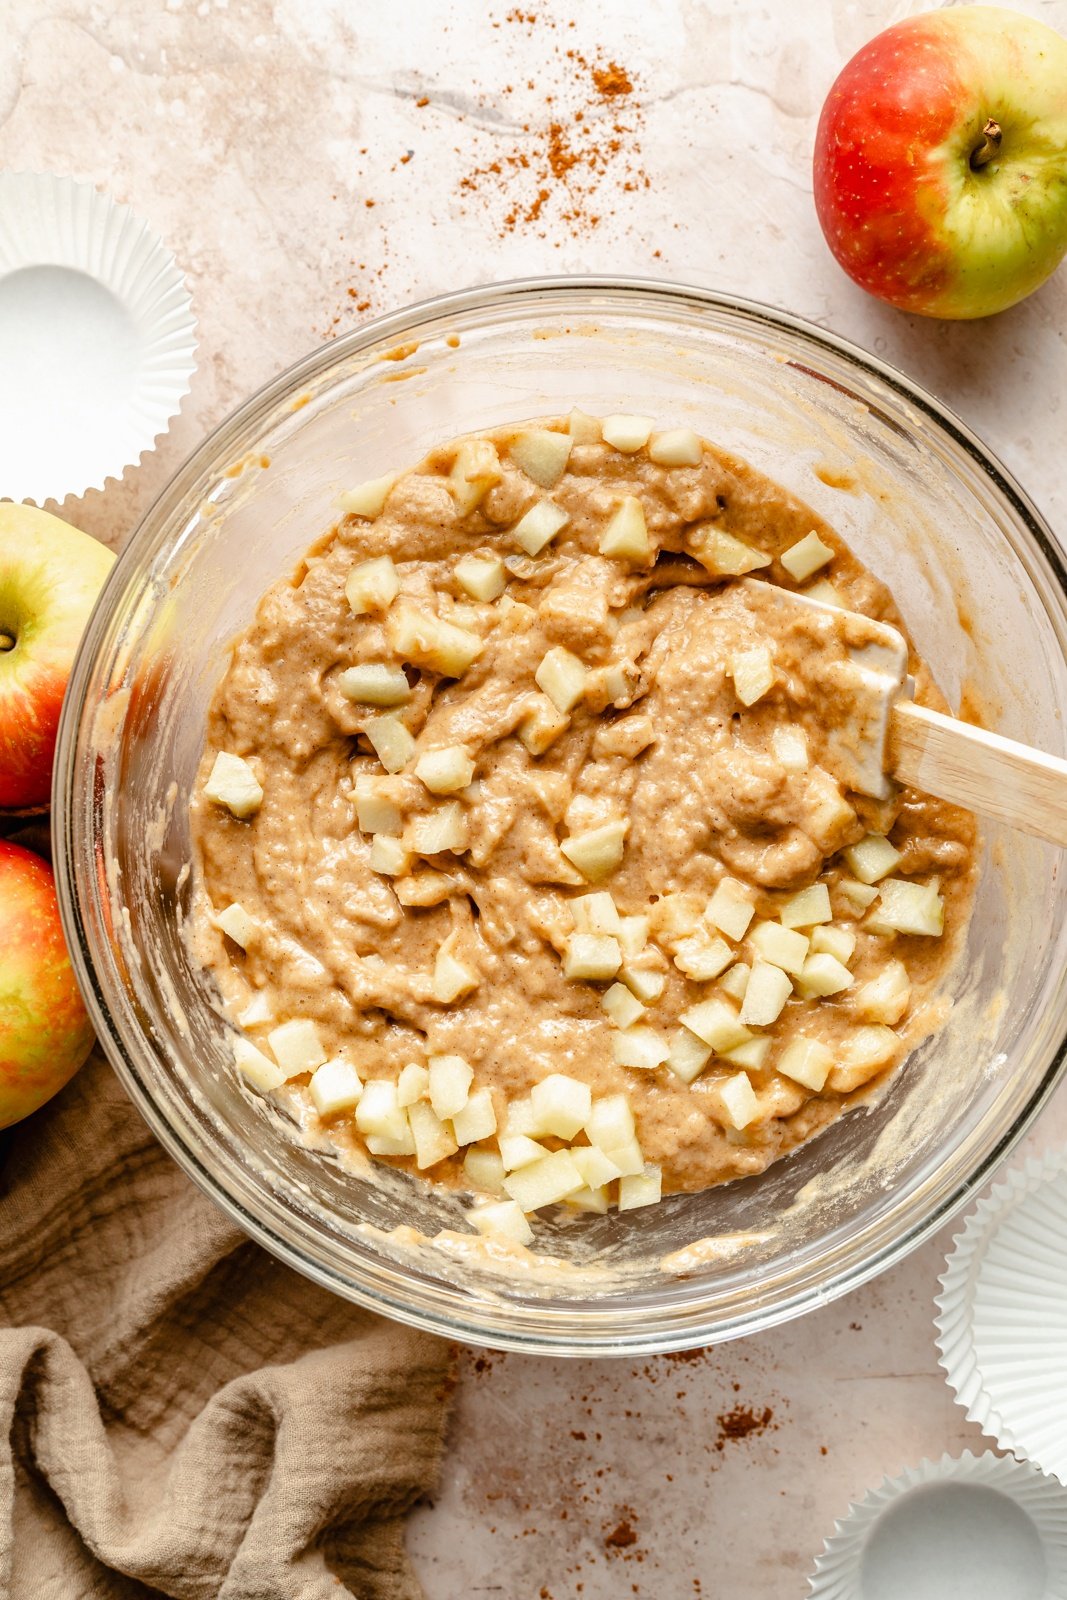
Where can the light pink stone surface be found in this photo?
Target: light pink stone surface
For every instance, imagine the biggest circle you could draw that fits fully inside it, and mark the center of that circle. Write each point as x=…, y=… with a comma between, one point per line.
x=252, y=136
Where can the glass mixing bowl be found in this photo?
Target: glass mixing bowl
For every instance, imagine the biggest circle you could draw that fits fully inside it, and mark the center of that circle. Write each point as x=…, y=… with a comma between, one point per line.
x=982, y=587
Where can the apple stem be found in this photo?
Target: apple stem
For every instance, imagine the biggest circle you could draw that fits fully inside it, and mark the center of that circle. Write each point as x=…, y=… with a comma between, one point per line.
x=991, y=137
x=7, y=642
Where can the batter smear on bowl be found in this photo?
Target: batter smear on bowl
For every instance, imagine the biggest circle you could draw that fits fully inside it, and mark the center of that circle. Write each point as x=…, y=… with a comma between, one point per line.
x=518, y=864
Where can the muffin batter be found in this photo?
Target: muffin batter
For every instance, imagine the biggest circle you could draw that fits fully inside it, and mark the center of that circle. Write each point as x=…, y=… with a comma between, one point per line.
x=518, y=778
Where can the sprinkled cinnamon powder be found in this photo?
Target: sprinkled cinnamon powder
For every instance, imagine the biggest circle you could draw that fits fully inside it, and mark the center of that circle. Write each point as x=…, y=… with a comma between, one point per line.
x=569, y=166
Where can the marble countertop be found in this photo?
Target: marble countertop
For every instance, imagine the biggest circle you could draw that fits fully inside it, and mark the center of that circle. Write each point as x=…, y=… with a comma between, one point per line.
x=313, y=163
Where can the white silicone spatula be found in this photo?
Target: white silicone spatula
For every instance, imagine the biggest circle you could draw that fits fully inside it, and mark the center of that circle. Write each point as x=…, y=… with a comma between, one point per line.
x=874, y=731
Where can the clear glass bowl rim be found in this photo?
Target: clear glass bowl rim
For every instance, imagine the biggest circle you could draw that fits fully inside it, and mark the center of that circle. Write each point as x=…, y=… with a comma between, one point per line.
x=541, y=1328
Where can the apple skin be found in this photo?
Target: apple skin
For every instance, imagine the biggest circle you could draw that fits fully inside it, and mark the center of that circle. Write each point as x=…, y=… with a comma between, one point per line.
x=898, y=200
x=45, y=1033
x=50, y=576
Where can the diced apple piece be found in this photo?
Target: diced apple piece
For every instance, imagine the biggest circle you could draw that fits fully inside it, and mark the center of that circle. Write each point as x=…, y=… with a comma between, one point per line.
x=372, y=586
x=676, y=916
x=236, y=923
x=380, y=1113
x=717, y=1023
x=627, y=1159
x=902, y=907
x=701, y=957
x=688, y=1055
x=597, y=852
x=539, y=526
x=562, y=677
x=296, y=1047
x=431, y=641
x=502, y=1219
x=610, y=1123
x=561, y=1104
x=752, y=1055
x=782, y=947
x=583, y=428
x=737, y=1101
x=258, y=1069
x=626, y=433
x=647, y=983
x=723, y=555
x=591, y=958
x=861, y=1055
x=445, y=771
x=412, y=1084
x=790, y=746
x=596, y=1168
x=806, y=557
x=519, y=1117
x=541, y=454
x=391, y=742
x=626, y=535
x=858, y=895
x=477, y=1120
x=335, y=1086
x=639, y=1047
x=807, y=908
x=829, y=815
x=622, y=1007
x=450, y=1079
x=753, y=674
x=766, y=993
x=873, y=858
x=485, y=1171
x=451, y=977
x=824, y=590
x=375, y=811
x=424, y=889
x=444, y=828
x=730, y=909
x=519, y=1150
x=389, y=856
x=544, y=1182
x=595, y=913
x=374, y=683
x=474, y=472
x=434, y=1140
x=632, y=936
x=834, y=941
x=232, y=783
x=806, y=1061
x=542, y=726
x=626, y=738
x=369, y=498
x=735, y=980
x=823, y=975
x=482, y=577
x=676, y=447
x=884, y=998
x=380, y=1144
x=256, y=1012
x=642, y=1189
x=586, y=1199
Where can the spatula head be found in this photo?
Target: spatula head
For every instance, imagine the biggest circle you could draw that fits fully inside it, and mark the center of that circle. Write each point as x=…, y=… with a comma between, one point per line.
x=856, y=669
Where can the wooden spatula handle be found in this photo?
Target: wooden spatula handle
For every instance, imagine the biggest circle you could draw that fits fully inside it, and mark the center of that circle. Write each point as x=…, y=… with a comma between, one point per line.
x=982, y=771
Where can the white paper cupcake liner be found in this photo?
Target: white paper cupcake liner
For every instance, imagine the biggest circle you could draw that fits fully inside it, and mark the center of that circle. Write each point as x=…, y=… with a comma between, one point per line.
x=97, y=337
x=1002, y=1314
x=986, y=1527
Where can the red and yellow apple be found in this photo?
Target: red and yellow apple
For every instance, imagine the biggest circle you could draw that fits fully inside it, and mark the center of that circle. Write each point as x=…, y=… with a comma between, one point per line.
x=50, y=576
x=941, y=161
x=45, y=1033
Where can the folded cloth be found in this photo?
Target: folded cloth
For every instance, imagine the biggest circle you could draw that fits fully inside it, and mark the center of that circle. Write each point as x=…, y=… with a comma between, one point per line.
x=181, y=1414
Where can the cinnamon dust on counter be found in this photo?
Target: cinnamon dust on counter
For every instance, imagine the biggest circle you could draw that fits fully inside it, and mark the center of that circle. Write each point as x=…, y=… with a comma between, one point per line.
x=554, y=168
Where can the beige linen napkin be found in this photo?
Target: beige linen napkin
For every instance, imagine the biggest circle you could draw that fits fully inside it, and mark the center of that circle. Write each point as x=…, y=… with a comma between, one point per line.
x=182, y=1414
